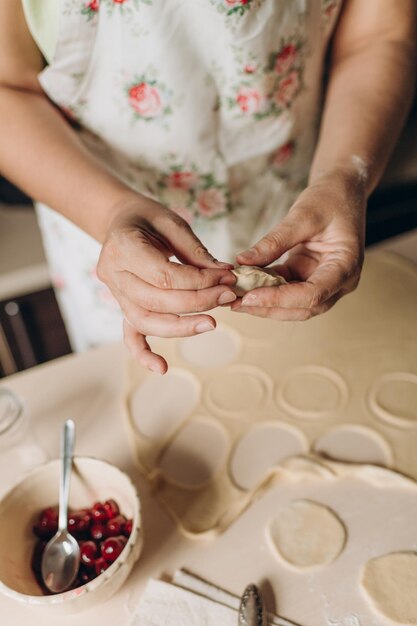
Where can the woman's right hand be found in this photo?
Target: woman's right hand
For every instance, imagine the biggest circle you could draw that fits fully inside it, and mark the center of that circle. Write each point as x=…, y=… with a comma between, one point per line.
x=152, y=290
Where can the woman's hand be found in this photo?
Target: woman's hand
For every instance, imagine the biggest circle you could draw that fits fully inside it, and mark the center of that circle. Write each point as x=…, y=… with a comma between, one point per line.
x=151, y=289
x=323, y=236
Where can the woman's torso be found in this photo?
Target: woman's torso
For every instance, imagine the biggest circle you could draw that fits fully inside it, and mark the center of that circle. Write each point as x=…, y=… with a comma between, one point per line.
x=210, y=106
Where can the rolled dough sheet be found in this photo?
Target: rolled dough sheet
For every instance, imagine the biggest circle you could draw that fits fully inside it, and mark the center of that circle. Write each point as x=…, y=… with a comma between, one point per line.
x=349, y=375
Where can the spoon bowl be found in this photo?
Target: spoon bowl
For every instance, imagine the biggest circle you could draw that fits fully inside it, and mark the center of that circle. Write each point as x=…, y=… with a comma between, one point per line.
x=62, y=562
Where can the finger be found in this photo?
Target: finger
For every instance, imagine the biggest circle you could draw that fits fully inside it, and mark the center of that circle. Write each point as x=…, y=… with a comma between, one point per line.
x=142, y=258
x=326, y=280
x=165, y=324
x=139, y=253
x=294, y=229
x=185, y=244
x=140, y=350
x=171, y=300
x=290, y=315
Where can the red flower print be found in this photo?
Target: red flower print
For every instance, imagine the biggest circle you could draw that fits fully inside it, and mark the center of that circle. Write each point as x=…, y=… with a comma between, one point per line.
x=249, y=68
x=249, y=100
x=119, y=1
x=182, y=180
x=145, y=100
x=286, y=58
x=90, y=9
x=211, y=202
x=288, y=88
x=92, y=6
x=233, y=3
x=283, y=154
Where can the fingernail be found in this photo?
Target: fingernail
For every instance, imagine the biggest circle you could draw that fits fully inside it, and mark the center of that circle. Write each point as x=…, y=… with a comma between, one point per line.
x=204, y=327
x=250, y=300
x=227, y=296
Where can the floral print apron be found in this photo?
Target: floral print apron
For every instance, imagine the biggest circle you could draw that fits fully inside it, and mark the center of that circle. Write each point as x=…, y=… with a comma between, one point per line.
x=210, y=106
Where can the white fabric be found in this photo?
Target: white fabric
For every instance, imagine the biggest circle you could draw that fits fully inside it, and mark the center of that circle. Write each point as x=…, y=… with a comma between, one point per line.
x=193, y=583
x=190, y=601
x=210, y=106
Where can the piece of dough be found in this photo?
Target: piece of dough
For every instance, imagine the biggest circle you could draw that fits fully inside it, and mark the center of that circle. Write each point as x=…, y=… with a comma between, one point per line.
x=250, y=277
x=307, y=534
x=390, y=583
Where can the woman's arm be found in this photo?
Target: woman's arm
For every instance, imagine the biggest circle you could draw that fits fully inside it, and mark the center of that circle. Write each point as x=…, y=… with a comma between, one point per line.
x=39, y=150
x=370, y=88
x=41, y=153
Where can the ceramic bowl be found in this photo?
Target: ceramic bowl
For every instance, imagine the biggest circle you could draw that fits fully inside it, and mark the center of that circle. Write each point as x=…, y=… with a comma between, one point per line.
x=92, y=480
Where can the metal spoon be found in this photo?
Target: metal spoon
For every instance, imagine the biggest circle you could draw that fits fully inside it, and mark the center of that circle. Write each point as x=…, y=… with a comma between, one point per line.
x=61, y=558
x=252, y=610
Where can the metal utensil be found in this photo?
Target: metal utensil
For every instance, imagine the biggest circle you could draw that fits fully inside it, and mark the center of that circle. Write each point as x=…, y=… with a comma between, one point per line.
x=252, y=609
x=61, y=558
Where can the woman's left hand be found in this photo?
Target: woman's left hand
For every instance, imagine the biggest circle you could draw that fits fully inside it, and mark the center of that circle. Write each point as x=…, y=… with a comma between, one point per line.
x=323, y=235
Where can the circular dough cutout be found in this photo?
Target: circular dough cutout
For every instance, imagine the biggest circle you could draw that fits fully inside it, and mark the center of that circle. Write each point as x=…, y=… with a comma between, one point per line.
x=261, y=448
x=220, y=347
x=390, y=584
x=354, y=444
x=196, y=454
x=161, y=403
x=307, y=534
x=237, y=390
x=312, y=391
x=393, y=399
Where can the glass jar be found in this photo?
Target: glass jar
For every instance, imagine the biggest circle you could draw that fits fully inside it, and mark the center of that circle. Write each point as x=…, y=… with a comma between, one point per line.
x=19, y=448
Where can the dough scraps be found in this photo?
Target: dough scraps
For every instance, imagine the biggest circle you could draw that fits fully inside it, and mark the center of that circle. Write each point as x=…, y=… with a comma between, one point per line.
x=307, y=534
x=390, y=583
x=251, y=277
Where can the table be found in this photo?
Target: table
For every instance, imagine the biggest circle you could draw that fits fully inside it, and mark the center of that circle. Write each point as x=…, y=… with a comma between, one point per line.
x=93, y=399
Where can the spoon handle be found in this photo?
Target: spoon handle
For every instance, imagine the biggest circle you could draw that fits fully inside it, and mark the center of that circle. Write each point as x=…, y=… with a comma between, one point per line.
x=67, y=446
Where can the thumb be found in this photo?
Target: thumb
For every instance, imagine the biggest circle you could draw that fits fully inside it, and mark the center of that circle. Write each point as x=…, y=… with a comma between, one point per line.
x=294, y=229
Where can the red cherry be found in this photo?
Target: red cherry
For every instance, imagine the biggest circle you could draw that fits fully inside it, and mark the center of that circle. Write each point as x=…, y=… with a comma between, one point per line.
x=98, y=531
x=79, y=522
x=128, y=527
x=47, y=523
x=88, y=553
x=112, y=508
x=98, y=512
x=45, y=531
x=115, y=526
x=100, y=565
x=112, y=547
x=49, y=515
